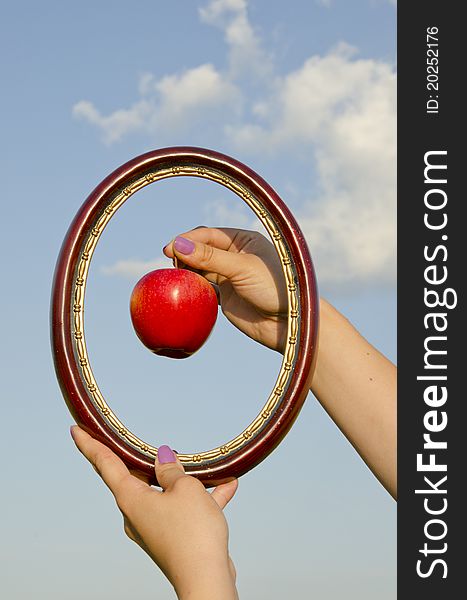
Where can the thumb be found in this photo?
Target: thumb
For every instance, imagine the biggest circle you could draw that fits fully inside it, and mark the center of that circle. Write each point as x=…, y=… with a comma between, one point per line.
x=209, y=259
x=168, y=467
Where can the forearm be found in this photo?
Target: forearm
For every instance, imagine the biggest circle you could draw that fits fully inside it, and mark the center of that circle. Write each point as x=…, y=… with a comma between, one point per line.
x=356, y=385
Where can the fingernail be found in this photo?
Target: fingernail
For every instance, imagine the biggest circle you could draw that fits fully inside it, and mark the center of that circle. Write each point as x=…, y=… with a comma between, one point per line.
x=183, y=245
x=165, y=455
x=72, y=430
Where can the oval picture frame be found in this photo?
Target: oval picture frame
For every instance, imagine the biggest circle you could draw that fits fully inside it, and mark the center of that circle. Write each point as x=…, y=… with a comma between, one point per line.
x=74, y=373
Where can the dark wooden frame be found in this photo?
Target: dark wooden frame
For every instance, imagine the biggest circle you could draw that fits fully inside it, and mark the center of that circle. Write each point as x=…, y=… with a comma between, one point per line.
x=74, y=390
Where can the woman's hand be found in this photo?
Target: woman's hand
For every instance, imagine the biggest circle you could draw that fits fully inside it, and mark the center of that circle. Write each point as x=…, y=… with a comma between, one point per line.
x=182, y=529
x=354, y=383
x=245, y=267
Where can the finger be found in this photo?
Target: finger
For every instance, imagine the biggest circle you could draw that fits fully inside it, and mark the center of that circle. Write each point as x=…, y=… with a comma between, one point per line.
x=107, y=464
x=168, y=467
x=222, y=238
x=224, y=493
x=207, y=258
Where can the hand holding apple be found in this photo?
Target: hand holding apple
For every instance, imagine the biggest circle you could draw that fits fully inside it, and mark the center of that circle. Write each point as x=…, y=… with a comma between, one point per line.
x=247, y=270
x=173, y=311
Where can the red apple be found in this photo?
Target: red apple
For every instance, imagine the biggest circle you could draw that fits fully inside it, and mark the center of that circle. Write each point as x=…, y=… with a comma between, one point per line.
x=173, y=311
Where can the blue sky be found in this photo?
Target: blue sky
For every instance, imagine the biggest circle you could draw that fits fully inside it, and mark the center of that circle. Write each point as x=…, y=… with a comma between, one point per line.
x=306, y=97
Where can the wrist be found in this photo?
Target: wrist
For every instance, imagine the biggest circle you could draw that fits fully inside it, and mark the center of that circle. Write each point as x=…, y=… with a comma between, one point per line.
x=214, y=582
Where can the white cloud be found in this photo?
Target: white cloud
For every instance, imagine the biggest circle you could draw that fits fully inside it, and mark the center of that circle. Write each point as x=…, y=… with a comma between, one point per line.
x=175, y=101
x=183, y=96
x=118, y=123
x=169, y=103
x=135, y=269
x=340, y=112
x=246, y=54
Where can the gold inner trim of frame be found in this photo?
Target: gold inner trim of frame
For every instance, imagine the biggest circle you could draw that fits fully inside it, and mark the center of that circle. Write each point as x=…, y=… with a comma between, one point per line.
x=78, y=295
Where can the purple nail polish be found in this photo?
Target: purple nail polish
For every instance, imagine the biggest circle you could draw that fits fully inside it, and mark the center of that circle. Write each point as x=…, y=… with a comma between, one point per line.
x=165, y=455
x=183, y=245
